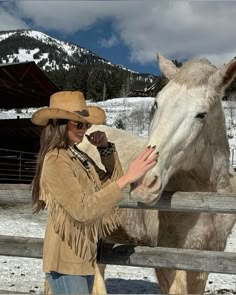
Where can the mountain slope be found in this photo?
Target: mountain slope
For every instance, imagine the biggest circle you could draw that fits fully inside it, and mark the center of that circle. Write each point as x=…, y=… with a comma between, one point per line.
x=23, y=45
x=71, y=66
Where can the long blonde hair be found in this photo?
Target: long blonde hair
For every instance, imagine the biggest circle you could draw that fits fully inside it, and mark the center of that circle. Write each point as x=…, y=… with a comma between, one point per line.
x=54, y=135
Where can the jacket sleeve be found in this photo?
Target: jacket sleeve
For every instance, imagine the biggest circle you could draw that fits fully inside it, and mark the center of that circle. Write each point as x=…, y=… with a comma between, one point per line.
x=111, y=163
x=70, y=191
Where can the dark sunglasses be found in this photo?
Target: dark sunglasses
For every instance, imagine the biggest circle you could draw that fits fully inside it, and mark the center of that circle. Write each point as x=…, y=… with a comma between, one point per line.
x=80, y=125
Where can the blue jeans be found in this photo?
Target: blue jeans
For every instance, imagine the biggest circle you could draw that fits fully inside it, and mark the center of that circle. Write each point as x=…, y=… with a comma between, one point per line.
x=69, y=284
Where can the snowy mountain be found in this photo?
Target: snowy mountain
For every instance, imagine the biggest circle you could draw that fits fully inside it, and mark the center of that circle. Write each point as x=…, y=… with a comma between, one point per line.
x=71, y=67
x=47, y=52
x=27, y=45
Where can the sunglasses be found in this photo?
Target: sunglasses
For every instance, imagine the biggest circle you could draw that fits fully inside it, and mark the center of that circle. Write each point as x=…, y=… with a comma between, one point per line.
x=80, y=125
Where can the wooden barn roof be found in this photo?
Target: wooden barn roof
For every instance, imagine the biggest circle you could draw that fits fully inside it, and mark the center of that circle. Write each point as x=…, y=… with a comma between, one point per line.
x=24, y=85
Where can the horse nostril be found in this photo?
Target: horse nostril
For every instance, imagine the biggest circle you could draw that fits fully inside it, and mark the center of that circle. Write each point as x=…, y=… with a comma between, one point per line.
x=133, y=186
x=151, y=184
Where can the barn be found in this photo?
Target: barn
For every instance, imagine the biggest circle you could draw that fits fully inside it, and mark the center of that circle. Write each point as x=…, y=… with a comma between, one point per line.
x=22, y=86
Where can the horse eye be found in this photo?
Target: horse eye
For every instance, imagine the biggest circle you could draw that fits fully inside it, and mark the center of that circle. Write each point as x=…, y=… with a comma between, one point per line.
x=201, y=115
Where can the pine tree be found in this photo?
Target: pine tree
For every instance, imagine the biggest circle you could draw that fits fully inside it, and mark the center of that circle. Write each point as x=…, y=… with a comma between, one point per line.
x=119, y=124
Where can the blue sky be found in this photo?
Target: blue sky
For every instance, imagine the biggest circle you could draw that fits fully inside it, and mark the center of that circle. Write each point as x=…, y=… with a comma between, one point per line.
x=102, y=41
x=130, y=33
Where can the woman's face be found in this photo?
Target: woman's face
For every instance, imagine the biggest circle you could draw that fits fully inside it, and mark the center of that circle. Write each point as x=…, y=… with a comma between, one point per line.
x=76, y=131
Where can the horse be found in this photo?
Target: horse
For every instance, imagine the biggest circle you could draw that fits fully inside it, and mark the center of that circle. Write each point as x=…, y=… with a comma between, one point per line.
x=188, y=130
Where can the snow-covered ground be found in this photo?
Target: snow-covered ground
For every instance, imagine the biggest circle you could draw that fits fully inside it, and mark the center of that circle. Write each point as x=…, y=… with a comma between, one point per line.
x=25, y=275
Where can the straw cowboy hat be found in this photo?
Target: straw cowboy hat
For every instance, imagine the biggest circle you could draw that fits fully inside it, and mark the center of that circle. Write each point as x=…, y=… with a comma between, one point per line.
x=68, y=105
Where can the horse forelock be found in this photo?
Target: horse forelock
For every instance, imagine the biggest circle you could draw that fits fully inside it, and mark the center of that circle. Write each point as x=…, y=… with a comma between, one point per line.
x=195, y=73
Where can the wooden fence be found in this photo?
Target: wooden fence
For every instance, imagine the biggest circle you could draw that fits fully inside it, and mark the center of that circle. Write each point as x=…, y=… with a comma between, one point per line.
x=16, y=166
x=19, y=166
x=158, y=257
x=154, y=257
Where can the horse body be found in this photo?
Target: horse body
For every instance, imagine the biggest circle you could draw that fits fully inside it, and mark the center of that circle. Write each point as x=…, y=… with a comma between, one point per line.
x=189, y=132
x=139, y=227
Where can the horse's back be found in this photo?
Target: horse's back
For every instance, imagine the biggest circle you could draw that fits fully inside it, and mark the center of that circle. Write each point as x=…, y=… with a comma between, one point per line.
x=127, y=144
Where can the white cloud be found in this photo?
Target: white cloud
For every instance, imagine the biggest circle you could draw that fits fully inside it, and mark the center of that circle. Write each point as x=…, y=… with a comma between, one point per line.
x=110, y=42
x=9, y=21
x=177, y=29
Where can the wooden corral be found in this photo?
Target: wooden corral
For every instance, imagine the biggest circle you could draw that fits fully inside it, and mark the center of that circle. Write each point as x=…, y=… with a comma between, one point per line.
x=155, y=257
x=22, y=85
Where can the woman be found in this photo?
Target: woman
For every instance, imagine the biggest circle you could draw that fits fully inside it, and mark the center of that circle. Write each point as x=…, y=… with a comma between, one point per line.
x=80, y=197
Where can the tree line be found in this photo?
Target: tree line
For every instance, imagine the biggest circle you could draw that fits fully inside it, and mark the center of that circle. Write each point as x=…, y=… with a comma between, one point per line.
x=100, y=81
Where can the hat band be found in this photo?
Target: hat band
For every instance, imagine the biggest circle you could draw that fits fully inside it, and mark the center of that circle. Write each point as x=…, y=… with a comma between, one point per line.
x=83, y=113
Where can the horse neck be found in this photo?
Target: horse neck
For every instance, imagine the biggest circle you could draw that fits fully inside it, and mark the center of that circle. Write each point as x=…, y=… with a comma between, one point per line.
x=219, y=149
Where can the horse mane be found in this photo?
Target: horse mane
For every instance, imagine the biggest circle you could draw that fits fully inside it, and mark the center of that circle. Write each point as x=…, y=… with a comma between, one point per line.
x=195, y=73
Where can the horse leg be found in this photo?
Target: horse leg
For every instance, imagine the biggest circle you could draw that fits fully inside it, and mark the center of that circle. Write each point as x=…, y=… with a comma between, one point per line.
x=196, y=282
x=181, y=282
x=99, y=286
x=172, y=281
x=46, y=287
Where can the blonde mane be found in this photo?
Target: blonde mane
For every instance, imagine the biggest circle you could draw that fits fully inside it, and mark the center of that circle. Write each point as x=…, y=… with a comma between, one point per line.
x=195, y=73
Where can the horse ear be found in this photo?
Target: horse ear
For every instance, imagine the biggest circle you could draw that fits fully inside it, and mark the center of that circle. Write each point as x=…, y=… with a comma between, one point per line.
x=167, y=67
x=223, y=76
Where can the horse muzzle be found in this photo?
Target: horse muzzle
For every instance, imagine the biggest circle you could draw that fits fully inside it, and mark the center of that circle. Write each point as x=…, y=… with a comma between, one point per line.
x=146, y=191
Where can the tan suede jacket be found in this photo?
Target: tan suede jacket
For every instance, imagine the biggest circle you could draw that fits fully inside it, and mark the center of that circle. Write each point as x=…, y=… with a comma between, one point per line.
x=77, y=215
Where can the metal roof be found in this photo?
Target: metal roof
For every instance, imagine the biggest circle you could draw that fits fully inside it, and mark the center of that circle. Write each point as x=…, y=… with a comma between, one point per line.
x=24, y=85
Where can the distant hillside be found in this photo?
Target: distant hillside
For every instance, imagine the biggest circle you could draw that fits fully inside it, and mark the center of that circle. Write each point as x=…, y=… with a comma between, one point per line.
x=72, y=67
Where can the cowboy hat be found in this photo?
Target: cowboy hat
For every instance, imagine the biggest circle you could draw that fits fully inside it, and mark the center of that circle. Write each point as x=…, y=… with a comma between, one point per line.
x=68, y=105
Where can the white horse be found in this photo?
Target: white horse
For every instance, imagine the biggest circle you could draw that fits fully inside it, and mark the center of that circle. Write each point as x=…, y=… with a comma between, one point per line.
x=189, y=132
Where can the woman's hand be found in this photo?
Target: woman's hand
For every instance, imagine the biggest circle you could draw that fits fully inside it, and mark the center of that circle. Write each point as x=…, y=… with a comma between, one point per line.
x=139, y=166
x=98, y=138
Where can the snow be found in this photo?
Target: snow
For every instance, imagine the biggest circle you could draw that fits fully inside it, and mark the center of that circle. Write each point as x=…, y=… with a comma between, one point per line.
x=25, y=55
x=4, y=36
x=125, y=107
x=69, y=48
x=25, y=275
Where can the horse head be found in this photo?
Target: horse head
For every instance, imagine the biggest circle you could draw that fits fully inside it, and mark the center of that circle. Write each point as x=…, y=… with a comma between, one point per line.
x=188, y=128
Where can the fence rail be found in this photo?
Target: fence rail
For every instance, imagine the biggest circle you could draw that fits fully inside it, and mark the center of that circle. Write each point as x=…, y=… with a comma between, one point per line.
x=178, y=201
x=155, y=257
x=152, y=257
x=16, y=166
x=19, y=166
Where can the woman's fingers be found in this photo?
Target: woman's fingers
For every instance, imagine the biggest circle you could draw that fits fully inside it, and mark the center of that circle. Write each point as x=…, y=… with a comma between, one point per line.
x=146, y=152
x=139, y=166
x=142, y=164
x=149, y=162
x=98, y=138
x=152, y=157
